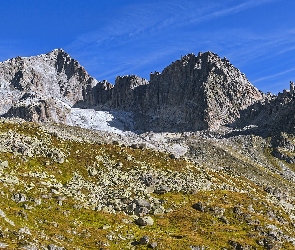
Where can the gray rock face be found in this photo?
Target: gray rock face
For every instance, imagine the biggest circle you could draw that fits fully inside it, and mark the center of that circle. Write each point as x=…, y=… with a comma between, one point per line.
x=43, y=87
x=69, y=80
x=194, y=93
x=129, y=91
x=273, y=113
x=37, y=109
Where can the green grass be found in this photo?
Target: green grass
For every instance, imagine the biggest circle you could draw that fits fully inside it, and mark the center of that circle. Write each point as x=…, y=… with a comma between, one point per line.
x=73, y=226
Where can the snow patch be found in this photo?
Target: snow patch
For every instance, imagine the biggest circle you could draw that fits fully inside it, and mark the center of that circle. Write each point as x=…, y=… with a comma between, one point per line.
x=111, y=121
x=178, y=149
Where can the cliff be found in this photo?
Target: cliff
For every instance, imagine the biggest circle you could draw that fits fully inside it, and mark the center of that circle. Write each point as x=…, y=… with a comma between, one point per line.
x=194, y=93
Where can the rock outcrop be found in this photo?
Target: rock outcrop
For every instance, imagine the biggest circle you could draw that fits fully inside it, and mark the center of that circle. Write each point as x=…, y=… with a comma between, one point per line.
x=34, y=108
x=274, y=113
x=52, y=79
x=204, y=91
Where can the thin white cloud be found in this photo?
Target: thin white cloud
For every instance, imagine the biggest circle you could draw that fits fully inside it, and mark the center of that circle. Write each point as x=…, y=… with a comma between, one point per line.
x=273, y=76
x=240, y=7
x=248, y=46
x=286, y=50
x=128, y=67
x=147, y=21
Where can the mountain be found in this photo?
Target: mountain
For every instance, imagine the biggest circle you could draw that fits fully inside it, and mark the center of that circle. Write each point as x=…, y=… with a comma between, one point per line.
x=194, y=158
x=272, y=114
x=43, y=88
x=194, y=93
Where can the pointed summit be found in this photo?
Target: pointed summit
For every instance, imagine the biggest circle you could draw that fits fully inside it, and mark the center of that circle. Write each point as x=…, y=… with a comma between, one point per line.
x=57, y=51
x=52, y=76
x=196, y=92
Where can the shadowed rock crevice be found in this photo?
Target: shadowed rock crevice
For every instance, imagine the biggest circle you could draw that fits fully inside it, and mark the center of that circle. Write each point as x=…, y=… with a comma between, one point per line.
x=16, y=81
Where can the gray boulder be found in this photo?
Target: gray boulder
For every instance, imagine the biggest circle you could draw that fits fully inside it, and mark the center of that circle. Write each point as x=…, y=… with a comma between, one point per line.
x=145, y=221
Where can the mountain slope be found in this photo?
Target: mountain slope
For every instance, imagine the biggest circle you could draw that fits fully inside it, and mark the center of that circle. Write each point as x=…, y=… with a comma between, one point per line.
x=63, y=189
x=211, y=167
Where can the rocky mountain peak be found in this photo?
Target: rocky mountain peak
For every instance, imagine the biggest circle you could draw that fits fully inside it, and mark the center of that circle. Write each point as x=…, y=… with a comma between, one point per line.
x=132, y=81
x=52, y=76
x=57, y=51
x=201, y=91
x=196, y=92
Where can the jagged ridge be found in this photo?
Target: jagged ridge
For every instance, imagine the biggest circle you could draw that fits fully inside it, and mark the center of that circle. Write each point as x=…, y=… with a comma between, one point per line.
x=194, y=93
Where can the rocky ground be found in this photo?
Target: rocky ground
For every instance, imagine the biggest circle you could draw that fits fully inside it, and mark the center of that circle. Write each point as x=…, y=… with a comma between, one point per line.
x=66, y=187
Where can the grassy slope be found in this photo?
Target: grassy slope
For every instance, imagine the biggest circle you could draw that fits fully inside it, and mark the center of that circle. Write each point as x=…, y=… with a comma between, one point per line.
x=76, y=227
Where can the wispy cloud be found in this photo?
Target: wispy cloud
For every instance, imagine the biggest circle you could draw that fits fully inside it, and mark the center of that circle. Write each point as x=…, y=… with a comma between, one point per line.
x=150, y=23
x=274, y=75
x=243, y=46
x=230, y=10
x=241, y=7
x=147, y=19
x=134, y=65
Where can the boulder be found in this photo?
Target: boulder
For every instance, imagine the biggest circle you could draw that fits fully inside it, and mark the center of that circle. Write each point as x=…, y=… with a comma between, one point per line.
x=145, y=221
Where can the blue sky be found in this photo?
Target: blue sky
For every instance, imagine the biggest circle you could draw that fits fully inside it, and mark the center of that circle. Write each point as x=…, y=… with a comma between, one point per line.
x=122, y=37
